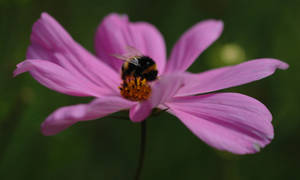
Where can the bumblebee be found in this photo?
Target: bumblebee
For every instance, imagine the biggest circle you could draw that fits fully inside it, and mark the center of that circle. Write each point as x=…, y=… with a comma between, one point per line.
x=137, y=65
x=141, y=66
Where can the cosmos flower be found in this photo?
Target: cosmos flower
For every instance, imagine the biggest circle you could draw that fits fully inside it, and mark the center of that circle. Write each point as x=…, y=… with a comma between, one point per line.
x=226, y=121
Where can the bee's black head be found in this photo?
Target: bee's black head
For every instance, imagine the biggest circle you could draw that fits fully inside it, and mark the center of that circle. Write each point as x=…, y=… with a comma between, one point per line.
x=146, y=62
x=148, y=68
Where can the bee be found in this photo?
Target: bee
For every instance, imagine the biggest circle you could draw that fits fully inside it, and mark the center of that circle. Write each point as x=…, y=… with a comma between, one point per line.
x=137, y=65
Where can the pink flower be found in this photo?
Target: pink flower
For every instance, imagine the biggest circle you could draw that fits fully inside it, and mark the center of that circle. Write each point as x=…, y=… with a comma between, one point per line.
x=226, y=121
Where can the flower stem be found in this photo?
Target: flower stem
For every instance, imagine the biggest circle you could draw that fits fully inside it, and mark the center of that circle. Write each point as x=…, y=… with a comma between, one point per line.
x=142, y=151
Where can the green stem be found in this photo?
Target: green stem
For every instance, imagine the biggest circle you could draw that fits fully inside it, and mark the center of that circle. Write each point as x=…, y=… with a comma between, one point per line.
x=142, y=151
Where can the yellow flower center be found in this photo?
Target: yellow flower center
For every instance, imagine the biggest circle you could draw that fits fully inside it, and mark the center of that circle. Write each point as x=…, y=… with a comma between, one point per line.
x=135, y=89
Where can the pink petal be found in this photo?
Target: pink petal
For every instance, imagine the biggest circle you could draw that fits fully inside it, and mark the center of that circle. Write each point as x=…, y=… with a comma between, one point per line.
x=164, y=89
x=226, y=121
x=57, y=78
x=192, y=44
x=49, y=41
x=64, y=117
x=230, y=76
x=140, y=111
x=115, y=33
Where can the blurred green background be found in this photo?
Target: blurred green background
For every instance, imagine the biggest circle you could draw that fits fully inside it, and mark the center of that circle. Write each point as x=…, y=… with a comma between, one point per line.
x=108, y=148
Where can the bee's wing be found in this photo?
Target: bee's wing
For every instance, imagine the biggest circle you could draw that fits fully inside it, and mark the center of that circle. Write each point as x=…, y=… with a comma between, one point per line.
x=121, y=57
x=130, y=52
x=133, y=51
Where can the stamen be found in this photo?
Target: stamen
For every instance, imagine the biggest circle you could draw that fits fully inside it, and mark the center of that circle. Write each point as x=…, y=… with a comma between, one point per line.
x=135, y=89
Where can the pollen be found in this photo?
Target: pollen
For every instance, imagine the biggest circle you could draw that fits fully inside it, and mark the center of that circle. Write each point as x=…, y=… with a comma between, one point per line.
x=135, y=89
